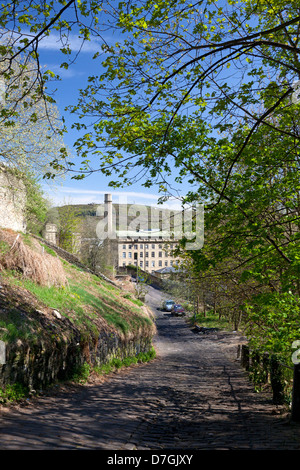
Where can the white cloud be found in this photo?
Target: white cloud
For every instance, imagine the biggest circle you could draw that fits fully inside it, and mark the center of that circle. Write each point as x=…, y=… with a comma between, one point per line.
x=64, y=73
x=69, y=195
x=53, y=42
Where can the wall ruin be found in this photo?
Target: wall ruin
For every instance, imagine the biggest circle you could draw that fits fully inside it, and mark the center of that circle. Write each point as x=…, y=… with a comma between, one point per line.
x=12, y=201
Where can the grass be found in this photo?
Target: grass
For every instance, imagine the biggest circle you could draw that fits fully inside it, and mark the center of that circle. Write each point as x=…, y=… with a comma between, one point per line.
x=4, y=247
x=26, y=256
x=13, y=393
x=13, y=327
x=126, y=362
x=86, y=300
x=135, y=301
x=211, y=320
x=49, y=250
x=90, y=303
x=82, y=373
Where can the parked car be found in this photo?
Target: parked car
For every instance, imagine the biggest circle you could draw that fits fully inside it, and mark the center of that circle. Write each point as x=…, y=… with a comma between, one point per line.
x=168, y=304
x=177, y=310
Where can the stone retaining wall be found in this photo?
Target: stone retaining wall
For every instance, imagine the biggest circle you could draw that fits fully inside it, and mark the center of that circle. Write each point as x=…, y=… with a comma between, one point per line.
x=37, y=366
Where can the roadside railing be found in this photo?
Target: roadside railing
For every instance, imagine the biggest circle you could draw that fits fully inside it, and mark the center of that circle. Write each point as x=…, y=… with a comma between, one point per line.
x=266, y=368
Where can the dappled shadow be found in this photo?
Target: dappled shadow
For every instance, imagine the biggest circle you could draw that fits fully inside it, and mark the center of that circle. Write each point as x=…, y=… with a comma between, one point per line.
x=190, y=397
x=175, y=411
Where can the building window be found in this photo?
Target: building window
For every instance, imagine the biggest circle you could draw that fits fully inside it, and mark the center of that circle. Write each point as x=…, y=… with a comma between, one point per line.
x=160, y=247
x=146, y=247
x=166, y=263
x=129, y=255
x=141, y=247
x=135, y=247
x=147, y=264
x=135, y=255
x=153, y=246
x=160, y=254
x=153, y=254
x=171, y=263
x=141, y=264
x=124, y=264
x=147, y=254
x=160, y=263
x=135, y=263
x=141, y=254
x=152, y=264
x=124, y=247
x=129, y=247
x=124, y=254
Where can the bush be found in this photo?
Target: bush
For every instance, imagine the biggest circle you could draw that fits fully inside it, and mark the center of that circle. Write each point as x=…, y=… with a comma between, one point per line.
x=81, y=373
x=13, y=392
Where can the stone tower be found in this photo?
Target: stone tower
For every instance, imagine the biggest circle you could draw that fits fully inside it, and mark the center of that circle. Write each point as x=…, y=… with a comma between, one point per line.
x=50, y=233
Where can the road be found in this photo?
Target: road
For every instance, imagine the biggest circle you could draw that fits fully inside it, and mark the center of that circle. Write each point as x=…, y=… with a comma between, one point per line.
x=193, y=396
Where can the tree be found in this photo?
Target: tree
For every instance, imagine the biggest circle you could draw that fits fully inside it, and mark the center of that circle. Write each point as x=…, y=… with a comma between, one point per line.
x=223, y=65
x=251, y=251
x=69, y=225
x=68, y=229
x=182, y=81
x=169, y=58
x=37, y=205
x=206, y=91
x=142, y=282
x=31, y=129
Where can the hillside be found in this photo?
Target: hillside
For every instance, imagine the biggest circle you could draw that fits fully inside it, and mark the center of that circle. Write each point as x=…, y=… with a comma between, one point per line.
x=123, y=215
x=46, y=303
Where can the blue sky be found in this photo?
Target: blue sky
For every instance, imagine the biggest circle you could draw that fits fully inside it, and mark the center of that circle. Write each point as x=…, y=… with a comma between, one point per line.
x=92, y=188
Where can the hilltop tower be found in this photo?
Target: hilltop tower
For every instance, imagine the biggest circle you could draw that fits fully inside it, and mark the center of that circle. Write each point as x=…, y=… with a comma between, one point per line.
x=108, y=213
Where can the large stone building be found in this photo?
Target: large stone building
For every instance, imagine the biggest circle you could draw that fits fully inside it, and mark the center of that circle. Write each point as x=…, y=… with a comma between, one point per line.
x=113, y=240
x=150, y=254
x=149, y=249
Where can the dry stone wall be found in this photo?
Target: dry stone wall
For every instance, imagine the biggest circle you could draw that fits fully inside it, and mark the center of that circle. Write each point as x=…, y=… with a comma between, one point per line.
x=38, y=365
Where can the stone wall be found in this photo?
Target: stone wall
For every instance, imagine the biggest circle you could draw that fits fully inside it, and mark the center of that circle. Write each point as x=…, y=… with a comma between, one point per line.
x=37, y=366
x=12, y=201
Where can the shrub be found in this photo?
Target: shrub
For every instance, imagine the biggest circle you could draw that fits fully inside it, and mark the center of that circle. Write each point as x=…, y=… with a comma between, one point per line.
x=81, y=373
x=13, y=392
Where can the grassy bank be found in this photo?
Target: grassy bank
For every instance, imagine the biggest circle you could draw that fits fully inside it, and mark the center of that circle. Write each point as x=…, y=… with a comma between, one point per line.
x=34, y=279
x=211, y=320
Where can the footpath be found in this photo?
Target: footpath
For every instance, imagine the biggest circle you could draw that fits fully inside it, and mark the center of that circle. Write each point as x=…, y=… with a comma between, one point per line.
x=193, y=396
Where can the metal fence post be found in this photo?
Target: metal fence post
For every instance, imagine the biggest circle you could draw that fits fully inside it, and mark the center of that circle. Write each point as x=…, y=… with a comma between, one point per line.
x=245, y=357
x=276, y=381
x=296, y=394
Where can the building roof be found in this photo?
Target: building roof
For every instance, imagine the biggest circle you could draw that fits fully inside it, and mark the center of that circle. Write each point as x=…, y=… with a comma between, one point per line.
x=168, y=270
x=142, y=234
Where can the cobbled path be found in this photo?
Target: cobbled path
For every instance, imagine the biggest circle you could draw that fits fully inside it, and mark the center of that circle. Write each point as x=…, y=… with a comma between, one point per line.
x=193, y=396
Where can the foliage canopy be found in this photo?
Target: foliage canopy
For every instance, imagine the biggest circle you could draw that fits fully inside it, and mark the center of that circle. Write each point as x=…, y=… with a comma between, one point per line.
x=206, y=91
